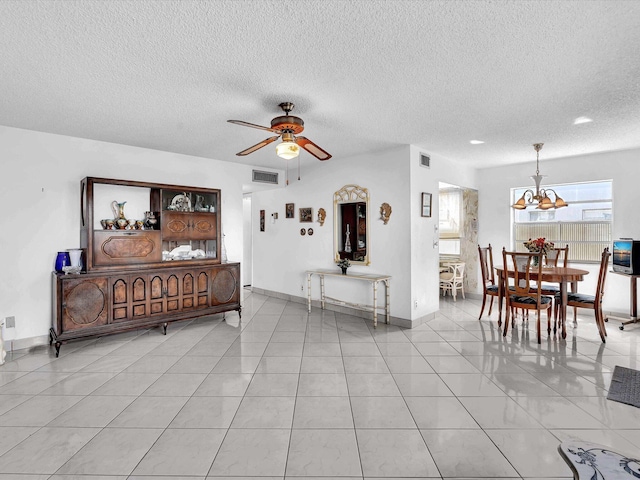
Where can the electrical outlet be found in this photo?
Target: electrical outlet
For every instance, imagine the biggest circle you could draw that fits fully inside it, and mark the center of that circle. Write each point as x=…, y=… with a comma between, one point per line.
x=302, y=288
x=415, y=304
x=10, y=322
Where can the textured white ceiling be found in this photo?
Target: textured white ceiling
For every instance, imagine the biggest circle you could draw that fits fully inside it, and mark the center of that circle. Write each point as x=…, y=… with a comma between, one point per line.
x=364, y=75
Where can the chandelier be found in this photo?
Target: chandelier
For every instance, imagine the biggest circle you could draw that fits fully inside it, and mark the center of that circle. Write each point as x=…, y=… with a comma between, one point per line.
x=541, y=195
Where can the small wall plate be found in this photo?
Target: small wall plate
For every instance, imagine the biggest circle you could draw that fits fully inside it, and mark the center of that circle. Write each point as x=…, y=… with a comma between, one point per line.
x=310, y=231
x=303, y=231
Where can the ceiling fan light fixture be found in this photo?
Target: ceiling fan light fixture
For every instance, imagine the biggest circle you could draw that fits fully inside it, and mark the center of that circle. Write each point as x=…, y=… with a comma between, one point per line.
x=287, y=150
x=287, y=127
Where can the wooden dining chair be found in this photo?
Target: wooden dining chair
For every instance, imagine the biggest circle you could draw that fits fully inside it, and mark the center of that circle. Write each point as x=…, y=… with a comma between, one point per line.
x=594, y=302
x=557, y=257
x=524, y=293
x=489, y=285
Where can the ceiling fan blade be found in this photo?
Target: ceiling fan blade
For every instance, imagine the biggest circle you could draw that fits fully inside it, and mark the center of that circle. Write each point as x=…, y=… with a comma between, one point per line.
x=252, y=125
x=258, y=146
x=313, y=149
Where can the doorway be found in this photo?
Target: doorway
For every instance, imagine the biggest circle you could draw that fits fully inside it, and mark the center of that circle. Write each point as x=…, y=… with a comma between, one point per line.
x=458, y=229
x=247, y=247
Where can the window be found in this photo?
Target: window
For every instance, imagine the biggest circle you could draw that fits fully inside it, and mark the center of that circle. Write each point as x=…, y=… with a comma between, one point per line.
x=585, y=225
x=450, y=221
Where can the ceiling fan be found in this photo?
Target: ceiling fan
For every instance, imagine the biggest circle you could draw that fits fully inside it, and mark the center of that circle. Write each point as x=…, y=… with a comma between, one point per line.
x=288, y=127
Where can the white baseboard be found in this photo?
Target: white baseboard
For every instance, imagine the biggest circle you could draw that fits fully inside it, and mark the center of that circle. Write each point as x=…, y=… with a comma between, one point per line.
x=400, y=322
x=25, y=343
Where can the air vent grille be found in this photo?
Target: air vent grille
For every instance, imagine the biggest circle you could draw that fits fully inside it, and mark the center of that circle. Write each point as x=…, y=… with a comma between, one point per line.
x=265, y=177
x=425, y=160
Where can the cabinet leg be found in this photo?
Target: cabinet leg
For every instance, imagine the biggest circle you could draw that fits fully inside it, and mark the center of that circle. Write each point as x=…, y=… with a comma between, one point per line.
x=240, y=312
x=58, y=345
x=164, y=328
x=50, y=338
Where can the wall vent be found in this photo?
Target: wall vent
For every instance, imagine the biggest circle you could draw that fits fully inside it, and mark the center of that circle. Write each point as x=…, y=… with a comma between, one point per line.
x=425, y=160
x=265, y=177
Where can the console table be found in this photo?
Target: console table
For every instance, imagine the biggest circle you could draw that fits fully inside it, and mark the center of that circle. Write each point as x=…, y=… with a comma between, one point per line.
x=372, y=279
x=633, y=300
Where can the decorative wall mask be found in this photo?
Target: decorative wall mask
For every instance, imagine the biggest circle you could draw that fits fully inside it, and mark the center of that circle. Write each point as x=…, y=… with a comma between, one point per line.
x=303, y=231
x=322, y=214
x=385, y=212
x=310, y=231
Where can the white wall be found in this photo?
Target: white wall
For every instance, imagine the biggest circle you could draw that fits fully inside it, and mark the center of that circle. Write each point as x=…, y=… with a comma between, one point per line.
x=40, y=192
x=425, y=257
x=623, y=167
x=39, y=189
x=281, y=255
x=402, y=248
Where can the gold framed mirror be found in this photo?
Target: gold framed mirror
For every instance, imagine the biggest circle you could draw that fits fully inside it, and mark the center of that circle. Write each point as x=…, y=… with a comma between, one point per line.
x=351, y=237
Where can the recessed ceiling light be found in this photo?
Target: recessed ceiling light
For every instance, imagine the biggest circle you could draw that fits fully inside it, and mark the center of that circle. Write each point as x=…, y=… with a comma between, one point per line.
x=476, y=142
x=580, y=120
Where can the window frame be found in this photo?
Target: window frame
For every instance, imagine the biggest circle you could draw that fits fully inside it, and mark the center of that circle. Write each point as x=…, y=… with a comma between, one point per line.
x=567, y=230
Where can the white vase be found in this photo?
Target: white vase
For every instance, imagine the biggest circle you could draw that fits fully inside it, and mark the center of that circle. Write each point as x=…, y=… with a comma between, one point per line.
x=76, y=258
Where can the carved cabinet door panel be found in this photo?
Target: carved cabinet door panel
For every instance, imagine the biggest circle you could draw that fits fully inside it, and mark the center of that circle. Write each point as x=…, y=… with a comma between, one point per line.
x=165, y=293
x=120, y=296
x=188, y=290
x=202, y=278
x=129, y=297
x=84, y=303
x=189, y=226
x=225, y=283
x=126, y=247
x=176, y=225
x=204, y=226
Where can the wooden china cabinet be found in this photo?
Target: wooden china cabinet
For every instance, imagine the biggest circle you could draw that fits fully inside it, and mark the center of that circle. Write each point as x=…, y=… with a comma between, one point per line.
x=165, y=267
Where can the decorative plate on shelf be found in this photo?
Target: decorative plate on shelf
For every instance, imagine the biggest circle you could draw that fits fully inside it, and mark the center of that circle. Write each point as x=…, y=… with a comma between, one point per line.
x=181, y=203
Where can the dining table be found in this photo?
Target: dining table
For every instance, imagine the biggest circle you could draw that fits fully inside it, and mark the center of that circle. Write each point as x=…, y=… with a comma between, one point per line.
x=563, y=276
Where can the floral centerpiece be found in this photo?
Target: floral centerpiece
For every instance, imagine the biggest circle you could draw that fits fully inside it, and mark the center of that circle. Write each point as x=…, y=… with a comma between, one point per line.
x=538, y=245
x=344, y=263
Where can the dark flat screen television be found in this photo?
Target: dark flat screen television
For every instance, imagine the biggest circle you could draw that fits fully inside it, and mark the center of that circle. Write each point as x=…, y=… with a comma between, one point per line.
x=626, y=256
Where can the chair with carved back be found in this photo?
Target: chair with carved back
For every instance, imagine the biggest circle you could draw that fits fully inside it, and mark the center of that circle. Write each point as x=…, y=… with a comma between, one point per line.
x=556, y=257
x=524, y=293
x=489, y=285
x=593, y=302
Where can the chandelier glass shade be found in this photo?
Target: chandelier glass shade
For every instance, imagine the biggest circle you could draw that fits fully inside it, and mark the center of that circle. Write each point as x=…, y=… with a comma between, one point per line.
x=540, y=195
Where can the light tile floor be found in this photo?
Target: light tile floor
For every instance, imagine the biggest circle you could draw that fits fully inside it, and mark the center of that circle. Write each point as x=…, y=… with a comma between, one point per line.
x=287, y=394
